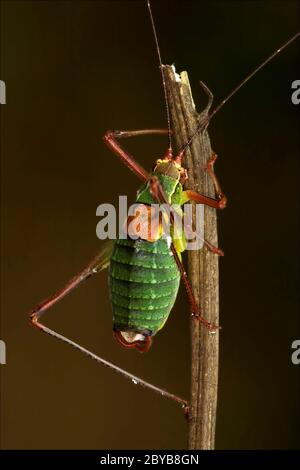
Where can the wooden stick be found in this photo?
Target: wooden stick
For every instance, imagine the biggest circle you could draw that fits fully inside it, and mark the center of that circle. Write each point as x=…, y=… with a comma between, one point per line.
x=202, y=264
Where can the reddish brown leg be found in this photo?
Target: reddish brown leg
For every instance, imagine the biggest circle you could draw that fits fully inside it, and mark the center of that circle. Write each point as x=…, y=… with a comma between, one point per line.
x=221, y=201
x=210, y=169
x=99, y=263
x=110, y=138
x=194, y=307
x=214, y=249
x=210, y=246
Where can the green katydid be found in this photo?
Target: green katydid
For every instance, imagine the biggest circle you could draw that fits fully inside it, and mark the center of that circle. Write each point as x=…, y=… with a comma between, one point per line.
x=145, y=272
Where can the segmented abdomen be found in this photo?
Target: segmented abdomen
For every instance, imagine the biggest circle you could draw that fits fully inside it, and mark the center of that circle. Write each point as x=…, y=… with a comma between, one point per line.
x=144, y=281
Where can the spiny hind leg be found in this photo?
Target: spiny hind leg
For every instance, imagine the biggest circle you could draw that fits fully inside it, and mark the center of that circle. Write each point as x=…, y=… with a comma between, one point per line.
x=100, y=262
x=95, y=266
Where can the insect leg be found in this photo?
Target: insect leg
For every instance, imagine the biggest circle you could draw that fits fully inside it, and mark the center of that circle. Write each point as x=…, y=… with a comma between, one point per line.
x=99, y=263
x=220, y=202
x=194, y=307
x=213, y=248
x=136, y=380
x=210, y=246
x=210, y=168
x=110, y=138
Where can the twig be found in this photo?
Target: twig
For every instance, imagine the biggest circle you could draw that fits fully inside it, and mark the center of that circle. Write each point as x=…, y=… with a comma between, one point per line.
x=202, y=265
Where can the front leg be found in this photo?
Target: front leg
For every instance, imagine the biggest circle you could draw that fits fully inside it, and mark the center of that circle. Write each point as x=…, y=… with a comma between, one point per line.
x=219, y=202
x=110, y=138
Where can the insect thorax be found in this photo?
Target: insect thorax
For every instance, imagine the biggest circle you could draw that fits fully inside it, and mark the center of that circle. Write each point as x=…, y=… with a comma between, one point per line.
x=172, y=189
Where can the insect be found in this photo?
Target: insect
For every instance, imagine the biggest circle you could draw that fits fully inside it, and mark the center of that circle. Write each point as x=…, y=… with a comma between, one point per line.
x=145, y=273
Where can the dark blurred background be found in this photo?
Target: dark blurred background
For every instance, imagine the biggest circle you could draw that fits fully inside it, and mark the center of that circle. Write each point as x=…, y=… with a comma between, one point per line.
x=74, y=69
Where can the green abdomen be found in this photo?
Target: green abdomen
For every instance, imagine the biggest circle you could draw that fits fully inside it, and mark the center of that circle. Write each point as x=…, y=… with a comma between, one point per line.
x=144, y=281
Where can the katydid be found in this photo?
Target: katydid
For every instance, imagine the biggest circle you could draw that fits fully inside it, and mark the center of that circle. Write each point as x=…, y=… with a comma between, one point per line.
x=145, y=271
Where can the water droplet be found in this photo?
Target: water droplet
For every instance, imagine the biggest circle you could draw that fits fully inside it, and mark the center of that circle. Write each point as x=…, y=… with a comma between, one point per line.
x=135, y=381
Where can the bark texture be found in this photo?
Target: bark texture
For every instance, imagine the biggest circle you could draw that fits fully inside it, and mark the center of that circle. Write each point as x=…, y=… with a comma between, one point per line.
x=202, y=264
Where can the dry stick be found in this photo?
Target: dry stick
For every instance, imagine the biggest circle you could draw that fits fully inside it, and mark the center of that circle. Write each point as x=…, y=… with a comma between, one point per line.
x=202, y=265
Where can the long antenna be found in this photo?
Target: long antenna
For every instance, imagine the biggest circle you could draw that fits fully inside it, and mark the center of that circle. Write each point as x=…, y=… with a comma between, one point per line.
x=163, y=81
x=204, y=123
